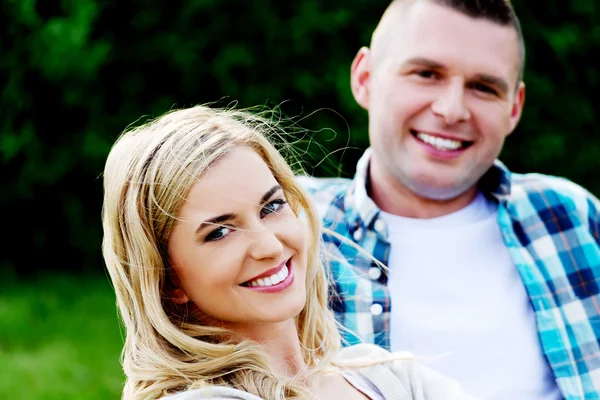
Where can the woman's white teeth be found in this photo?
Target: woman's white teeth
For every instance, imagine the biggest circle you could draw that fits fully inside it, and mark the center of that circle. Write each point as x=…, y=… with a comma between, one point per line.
x=439, y=143
x=271, y=280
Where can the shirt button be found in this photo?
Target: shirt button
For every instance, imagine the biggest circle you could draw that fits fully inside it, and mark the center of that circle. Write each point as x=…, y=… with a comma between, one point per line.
x=376, y=309
x=357, y=235
x=379, y=226
x=374, y=273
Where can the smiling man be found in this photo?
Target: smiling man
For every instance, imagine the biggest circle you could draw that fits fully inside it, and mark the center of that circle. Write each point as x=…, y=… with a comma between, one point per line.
x=493, y=275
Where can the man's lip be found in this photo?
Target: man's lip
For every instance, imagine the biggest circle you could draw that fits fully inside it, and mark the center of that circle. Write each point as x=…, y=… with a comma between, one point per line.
x=269, y=272
x=440, y=135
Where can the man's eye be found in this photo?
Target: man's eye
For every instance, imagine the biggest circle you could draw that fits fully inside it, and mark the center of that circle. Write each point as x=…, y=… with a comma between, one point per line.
x=272, y=207
x=483, y=88
x=426, y=73
x=218, y=234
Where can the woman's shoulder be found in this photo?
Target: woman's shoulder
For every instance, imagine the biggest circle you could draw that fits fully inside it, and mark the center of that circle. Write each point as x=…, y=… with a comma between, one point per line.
x=399, y=373
x=212, y=392
x=366, y=352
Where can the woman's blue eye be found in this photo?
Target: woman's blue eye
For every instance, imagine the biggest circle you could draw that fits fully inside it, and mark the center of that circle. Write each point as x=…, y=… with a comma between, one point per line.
x=272, y=207
x=269, y=208
x=217, y=234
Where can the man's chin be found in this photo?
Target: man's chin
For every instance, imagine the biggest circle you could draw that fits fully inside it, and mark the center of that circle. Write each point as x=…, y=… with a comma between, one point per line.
x=443, y=192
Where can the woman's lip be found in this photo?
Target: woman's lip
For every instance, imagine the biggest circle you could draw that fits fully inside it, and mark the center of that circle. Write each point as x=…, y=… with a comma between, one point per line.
x=284, y=284
x=269, y=272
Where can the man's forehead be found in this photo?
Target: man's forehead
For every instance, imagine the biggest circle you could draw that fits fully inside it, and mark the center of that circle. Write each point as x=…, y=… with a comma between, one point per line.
x=423, y=28
x=402, y=12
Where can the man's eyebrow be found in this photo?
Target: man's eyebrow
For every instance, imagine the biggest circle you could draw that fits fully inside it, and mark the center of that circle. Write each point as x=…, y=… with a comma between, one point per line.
x=227, y=217
x=493, y=80
x=425, y=62
x=500, y=83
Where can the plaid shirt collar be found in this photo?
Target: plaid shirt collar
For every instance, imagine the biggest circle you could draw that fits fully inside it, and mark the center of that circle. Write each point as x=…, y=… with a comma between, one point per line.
x=362, y=211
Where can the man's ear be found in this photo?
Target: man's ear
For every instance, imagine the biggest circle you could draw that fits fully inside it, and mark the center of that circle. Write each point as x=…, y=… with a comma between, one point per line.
x=517, y=107
x=360, y=74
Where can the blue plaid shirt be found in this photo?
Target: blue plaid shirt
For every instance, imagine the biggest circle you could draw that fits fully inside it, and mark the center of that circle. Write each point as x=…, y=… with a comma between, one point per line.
x=551, y=228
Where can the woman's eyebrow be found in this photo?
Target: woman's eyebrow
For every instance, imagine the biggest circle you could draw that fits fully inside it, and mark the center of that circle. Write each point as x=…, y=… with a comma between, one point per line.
x=227, y=217
x=270, y=193
x=215, y=221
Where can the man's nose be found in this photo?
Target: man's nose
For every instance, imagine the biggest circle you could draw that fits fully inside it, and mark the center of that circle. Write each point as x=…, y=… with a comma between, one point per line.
x=450, y=104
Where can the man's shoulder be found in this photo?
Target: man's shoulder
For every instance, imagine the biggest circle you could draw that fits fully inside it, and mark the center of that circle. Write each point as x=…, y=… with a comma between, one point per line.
x=550, y=191
x=324, y=190
x=548, y=197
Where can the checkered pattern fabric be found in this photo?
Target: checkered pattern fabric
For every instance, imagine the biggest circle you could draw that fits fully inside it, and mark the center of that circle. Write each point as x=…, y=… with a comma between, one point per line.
x=551, y=228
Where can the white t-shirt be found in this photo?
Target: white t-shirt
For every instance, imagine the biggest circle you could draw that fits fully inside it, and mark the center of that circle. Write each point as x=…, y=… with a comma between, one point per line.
x=457, y=298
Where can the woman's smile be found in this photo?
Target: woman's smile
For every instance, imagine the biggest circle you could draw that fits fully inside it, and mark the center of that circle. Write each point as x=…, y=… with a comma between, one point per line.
x=273, y=280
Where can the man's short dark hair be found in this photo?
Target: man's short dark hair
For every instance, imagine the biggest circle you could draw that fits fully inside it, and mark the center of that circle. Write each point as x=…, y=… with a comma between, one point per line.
x=500, y=12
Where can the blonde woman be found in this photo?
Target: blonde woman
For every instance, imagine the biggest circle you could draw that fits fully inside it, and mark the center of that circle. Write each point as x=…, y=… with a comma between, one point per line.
x=213, y=251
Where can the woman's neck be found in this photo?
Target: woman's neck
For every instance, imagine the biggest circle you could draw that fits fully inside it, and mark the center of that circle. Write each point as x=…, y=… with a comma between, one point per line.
x=281, y=344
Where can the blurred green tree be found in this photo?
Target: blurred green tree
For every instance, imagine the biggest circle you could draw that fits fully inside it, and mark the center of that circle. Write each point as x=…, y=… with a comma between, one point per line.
x=75, y=73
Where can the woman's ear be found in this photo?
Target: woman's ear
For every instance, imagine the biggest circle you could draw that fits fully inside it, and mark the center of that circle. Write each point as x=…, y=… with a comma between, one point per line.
x=173, y=288
x=178, y=296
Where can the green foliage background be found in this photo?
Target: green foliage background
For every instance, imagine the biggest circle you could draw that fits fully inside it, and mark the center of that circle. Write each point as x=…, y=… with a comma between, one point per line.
x=75, y=73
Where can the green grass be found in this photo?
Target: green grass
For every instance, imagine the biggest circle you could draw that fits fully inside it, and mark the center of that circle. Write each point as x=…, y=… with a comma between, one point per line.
x=59, y=339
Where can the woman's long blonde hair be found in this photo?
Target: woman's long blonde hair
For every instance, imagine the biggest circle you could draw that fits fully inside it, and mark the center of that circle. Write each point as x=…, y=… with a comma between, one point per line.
x=148, y=174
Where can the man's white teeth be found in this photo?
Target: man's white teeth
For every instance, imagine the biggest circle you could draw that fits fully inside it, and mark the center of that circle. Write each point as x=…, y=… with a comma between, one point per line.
x=439, y=143
x=271, y=280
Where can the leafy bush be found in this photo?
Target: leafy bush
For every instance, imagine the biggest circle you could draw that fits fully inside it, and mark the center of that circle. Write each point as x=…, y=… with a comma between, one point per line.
x=78, y=72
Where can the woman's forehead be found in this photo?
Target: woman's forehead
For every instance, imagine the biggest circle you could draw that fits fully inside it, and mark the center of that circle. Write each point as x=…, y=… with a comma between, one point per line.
x=241, y=177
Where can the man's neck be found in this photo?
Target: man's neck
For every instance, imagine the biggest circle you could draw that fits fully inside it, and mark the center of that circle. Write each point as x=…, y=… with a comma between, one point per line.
x=393, y=197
